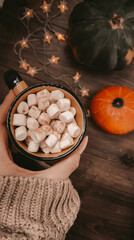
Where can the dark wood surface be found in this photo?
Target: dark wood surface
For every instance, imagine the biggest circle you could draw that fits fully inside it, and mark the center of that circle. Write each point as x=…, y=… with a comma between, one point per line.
x=105, y=178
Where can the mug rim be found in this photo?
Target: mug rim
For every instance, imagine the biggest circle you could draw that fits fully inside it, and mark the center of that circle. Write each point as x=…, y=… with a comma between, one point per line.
x=30, y=155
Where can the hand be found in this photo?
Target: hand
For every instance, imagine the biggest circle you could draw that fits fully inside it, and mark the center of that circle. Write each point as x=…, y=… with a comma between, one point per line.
x=61, y=170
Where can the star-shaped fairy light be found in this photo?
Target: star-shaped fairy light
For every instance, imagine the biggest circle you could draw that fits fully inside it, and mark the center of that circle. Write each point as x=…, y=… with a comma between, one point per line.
x=76, y=77
x=24, y=43
x=84, y=92
x=45, y=7
x=60, y=36
x=28, y=13
x=54, y=60
x=32, y=71
x=23, y=64
x=47, y=38
x=63, y=6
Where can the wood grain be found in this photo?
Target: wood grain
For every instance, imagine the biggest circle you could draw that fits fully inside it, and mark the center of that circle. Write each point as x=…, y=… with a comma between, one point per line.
x=105, y=183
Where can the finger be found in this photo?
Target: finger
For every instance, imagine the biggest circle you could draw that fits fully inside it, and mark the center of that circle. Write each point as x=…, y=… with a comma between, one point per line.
x=83, y=145
x=4, y=107
x=63, y=169
x=4, y=151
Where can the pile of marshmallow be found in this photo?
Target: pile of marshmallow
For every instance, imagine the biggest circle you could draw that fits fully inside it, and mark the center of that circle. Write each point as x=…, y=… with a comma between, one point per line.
x=46, y=122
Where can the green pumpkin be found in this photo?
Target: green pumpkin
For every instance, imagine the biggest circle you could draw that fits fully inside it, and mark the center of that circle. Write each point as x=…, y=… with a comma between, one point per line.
x=101, y=33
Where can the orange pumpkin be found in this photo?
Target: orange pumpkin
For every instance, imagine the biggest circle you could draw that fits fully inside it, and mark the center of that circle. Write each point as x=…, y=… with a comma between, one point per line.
x=113, y=109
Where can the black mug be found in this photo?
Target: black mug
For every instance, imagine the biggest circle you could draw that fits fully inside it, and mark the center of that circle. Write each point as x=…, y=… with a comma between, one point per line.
x=21, y=90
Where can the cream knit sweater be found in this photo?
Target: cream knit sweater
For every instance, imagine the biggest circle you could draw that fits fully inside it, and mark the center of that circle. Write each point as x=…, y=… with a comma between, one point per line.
x=36, y=209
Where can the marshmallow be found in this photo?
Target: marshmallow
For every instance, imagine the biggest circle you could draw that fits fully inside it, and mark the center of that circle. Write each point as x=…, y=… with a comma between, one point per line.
x=37, y=135
x=65, y=135
x=73, y=110
x=73, y=130
x=43, y=94
x=56, y=148
x=43, y=103
x=44, y=147
x=66, y=117
x=74, y=121
x=56, y=95
x=33, y=147
x=31, y=100
x=53, y=111
x=59, y=126
x=28, y=139
x=19, y=119
x=66, y=143
x=21, y=133
x=34, y=112
x=32, y=123
x=43, y=144
x=46, y=150
x=52, y=124
x=28, y=132
x=55, y=121
x=58, y=135
x=44, y=119
x=23, y=108
x=64, y=104
x=51, y=140
x=48, y=130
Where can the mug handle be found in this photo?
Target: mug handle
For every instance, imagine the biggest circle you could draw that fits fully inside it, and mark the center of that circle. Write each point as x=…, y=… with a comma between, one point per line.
x=14, y=81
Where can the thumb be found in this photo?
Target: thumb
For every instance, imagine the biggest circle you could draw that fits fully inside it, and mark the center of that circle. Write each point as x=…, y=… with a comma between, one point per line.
x=63, y=169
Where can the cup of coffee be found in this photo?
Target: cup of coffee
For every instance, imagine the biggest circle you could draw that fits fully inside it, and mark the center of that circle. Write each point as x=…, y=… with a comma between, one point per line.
x=46, y=121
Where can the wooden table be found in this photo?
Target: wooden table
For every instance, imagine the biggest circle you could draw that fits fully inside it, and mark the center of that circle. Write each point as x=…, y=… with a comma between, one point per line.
x=105, y=178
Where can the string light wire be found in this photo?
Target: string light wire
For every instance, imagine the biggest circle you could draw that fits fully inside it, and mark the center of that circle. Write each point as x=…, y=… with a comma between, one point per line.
x=49, y=34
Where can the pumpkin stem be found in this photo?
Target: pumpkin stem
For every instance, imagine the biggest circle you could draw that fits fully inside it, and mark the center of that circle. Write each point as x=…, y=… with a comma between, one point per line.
x=116, y=22
x=118, y=102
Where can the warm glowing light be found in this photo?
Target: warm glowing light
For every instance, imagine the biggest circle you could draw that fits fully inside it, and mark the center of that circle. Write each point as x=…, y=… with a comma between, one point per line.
x=23, y=64
x=32, y=71
x=53, y=60
x=45, y=7
x=29, y=13
x=47, y=38
x=84, y=92
x=60, y=36
x=24, y=43
x=76, y=77
x=63, y=6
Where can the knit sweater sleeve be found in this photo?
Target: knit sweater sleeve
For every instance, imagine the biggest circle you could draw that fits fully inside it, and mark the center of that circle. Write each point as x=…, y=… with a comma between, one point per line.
x=36, y=209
